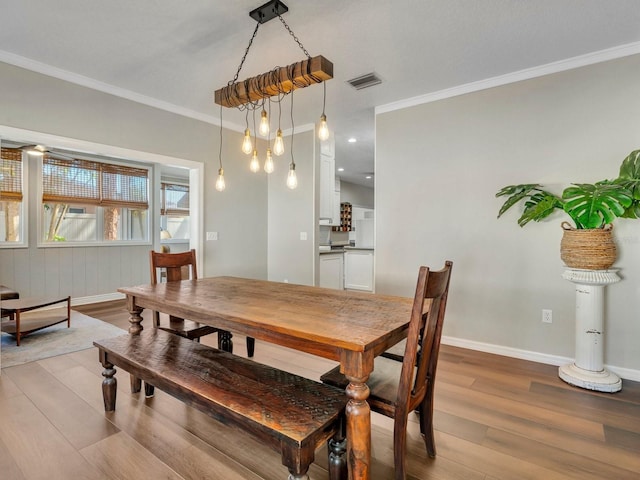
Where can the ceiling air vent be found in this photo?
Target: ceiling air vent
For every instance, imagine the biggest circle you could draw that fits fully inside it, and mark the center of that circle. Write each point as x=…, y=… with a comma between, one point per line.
x=365, y=81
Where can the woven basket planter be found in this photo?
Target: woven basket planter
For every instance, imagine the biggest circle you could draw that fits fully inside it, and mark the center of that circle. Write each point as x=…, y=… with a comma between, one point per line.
x=589, y=249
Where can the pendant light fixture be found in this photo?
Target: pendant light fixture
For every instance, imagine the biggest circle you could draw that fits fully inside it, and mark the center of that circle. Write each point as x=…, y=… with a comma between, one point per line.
x=255, y=163
x=247, y=147
x=292, y=179
x=220, y=183
x=251, y=93
x=323, y=130
x=278, y=143
x=268, y=163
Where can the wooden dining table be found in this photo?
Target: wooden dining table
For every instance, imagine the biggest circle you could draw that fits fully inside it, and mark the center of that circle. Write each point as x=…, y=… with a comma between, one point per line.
x=349, y=327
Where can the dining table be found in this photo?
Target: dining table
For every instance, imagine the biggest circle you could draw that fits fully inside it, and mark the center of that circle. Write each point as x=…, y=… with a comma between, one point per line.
x=349, y=327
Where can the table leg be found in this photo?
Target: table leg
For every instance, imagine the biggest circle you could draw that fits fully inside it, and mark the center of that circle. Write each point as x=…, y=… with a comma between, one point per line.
x=136, y=317
x=18, y=328
x=358, y=416
x=134, y=329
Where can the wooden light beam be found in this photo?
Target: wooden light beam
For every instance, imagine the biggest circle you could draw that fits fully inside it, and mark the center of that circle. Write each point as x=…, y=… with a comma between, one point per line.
x=283, y=79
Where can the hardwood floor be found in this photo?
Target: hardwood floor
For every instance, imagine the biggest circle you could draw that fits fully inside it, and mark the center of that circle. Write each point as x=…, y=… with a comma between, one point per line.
x=496, y=418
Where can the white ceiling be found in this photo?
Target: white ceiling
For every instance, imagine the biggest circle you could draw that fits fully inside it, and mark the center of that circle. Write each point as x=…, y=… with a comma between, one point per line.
x=179, y=51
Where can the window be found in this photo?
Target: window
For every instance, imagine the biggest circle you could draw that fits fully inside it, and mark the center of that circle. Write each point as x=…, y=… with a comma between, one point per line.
x=11, y=204
x=89, y=201
x=174, y=211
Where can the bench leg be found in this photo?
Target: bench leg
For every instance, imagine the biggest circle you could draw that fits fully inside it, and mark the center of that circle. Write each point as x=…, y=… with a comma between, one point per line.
x=304, y=476
x=136, y=384
x=224, y=341
x=297, y=461
x=109, y=383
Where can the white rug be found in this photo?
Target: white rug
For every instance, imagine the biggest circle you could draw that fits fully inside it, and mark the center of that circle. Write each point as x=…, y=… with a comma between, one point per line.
x=56, y=340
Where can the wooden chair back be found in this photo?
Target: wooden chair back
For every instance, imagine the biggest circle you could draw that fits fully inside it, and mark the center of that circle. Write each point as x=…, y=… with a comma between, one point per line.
x=177, y=266
x=423, y=339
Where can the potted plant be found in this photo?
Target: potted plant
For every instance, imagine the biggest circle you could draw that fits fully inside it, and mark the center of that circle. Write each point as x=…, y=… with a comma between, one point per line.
x=592, y=206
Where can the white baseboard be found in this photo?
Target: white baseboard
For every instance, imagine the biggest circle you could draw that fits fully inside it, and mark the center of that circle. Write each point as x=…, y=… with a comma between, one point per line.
x=105, y=297
x=626, y=373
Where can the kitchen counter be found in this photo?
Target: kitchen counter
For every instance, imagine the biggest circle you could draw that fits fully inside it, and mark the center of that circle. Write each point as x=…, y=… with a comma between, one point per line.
x=335, y=250
x=359, y=248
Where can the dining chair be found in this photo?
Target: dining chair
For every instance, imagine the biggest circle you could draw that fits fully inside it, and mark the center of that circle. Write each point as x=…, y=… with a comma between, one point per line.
x=175, y=267
x=398, y=388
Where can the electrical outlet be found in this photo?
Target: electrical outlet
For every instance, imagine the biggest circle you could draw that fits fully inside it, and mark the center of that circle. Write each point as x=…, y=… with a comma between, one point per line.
x=547, y=316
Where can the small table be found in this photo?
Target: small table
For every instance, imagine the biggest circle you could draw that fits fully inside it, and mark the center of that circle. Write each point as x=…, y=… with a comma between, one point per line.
x=19, y=326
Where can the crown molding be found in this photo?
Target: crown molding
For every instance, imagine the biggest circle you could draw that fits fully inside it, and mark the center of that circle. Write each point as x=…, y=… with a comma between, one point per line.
x=526, y=74
x=55, y=72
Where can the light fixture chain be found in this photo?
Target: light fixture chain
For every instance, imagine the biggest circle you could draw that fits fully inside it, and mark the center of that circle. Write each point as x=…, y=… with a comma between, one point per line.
x=294, y=36
x=255, y=32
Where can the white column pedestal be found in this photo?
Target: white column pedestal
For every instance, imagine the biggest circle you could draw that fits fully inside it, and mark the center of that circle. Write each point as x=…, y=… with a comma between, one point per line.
x=588, y=370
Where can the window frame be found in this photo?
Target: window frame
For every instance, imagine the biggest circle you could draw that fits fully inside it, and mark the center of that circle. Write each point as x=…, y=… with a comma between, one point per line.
x=24, y=206
x=100, y=208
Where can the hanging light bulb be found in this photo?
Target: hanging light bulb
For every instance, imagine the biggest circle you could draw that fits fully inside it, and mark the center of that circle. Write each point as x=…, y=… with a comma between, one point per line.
x=220, y=185
x=278, y=144
x=292, y=179
x=264, y=123
x=247, y=147
x=323, y=130
x=255, y=163
x=268, y=164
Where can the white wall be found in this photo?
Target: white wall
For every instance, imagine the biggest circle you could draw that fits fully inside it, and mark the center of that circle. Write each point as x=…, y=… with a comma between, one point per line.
x=39, y=103
x=357, y=195
x=435, y=201
x=291, y=212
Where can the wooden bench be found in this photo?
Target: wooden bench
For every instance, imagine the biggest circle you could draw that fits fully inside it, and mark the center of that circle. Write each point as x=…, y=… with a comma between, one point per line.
x=292, y=414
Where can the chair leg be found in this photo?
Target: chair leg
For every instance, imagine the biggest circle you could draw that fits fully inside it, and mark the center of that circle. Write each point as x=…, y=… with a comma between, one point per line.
x=400, y=446
x=426, y=421
x=224, y=341
x=251, y=346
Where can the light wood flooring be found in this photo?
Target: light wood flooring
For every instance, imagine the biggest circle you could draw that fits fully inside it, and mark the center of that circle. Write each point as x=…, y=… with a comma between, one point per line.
x=496, y=418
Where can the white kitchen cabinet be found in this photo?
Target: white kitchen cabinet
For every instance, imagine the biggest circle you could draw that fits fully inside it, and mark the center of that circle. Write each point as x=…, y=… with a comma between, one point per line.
x=327, y=186
x=358, y=270
x=331, y=270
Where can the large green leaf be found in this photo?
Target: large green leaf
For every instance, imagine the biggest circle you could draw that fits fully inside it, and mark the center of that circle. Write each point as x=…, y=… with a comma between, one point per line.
x=629, y=178
x=516, y=193
x=538, y=207
x=595, y=205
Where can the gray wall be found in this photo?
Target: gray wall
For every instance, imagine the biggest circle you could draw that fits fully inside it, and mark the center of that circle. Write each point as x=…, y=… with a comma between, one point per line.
x=292, y=212
x=435, y=201
x=357, y=195
x=36, y=102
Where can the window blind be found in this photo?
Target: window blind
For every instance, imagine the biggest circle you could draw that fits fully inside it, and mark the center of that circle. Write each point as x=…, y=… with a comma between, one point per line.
x=175, y=199
x=95, y=183
x=11, y=174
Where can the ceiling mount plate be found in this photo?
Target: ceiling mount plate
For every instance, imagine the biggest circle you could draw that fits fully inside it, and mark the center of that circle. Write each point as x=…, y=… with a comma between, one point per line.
x=268, y=11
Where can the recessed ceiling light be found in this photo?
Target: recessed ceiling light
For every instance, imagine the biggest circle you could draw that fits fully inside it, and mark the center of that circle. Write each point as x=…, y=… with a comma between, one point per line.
x=352, y=140
x=341, y=169
x=368, y=177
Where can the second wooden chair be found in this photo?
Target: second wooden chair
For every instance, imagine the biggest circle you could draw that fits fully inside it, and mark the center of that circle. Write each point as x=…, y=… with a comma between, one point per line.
x=174, y=267
x=398, y=388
